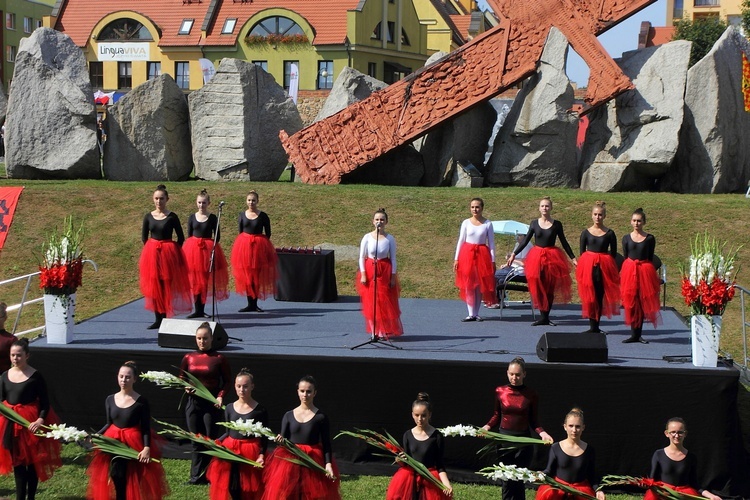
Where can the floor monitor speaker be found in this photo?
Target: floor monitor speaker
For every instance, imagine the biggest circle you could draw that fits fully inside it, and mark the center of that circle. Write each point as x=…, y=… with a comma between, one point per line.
x=180, y=333
x=573, y=347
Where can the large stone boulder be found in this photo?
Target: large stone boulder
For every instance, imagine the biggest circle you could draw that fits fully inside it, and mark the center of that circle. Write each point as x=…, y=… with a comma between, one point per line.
x=460, y=140
x=633, y=139
x=714, y=152
x=235, y=121
x=50, y=131
x=3, y=103
x=536, y=146
x=148, y=134
x=350, y=86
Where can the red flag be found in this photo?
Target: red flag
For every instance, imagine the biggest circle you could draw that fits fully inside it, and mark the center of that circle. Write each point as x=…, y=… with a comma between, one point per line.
x=746, y=81
x=8, y=201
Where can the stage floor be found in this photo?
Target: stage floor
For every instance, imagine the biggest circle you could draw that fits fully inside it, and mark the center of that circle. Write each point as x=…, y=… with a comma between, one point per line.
x=433, y=331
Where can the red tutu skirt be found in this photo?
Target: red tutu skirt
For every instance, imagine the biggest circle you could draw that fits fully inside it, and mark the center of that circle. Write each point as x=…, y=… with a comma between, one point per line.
x=284, y=479
x=639, y=287
x=250, y=479
x=387, y=317
x=254, y=265
x=408, y=485
x=164, y=278
x=652, y=495
x=546, y=492
x=198, y=256
x=474, y=271
x=548, y=273
x=28, y=449
x=610, y=279
x=144, y=481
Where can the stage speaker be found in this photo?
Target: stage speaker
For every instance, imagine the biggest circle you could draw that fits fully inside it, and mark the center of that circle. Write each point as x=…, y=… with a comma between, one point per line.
x=573, y=347
x=180, y=333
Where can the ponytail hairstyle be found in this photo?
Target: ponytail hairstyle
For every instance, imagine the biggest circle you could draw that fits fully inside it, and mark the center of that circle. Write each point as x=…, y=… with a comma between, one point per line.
x=381, y=211
x=518, y=360
x=132, y=366
x=163, y=189
x=23, y=343
x=244, y=372
x=600, y=204
x=639, y=211
x=574, y=412
x=423, y=399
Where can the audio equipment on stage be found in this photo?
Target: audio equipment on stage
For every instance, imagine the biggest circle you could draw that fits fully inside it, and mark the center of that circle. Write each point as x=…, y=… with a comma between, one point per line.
x=573, y=347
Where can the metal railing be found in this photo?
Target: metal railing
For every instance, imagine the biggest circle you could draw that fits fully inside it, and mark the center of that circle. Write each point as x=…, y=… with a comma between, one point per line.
x=706, y=3
x=25, y=301
x=744, y=294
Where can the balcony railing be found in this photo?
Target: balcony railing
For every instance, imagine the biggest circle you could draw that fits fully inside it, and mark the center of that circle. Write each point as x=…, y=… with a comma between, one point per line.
x=706, y=3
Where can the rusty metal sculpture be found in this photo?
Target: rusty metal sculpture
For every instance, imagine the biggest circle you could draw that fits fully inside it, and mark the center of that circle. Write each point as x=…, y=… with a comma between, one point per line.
x=480, y=70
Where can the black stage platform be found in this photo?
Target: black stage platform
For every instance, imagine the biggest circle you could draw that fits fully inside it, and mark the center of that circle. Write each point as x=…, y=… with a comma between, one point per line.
x=626, y=400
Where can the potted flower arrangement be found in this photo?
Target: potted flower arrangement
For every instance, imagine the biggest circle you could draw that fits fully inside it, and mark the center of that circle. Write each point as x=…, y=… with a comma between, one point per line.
x=707, y=287
x=61, y=273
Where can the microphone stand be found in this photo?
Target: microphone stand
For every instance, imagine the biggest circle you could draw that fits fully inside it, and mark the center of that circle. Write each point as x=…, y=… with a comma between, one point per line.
x=211, y=270
x=374, y=339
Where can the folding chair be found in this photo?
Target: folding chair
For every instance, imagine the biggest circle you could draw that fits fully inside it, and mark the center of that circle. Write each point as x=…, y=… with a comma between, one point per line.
x=515, y=281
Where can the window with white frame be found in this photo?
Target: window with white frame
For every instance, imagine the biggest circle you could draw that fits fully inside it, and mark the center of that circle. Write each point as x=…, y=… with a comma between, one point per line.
x=10, y=21
x=28, y=24
x=10, y=53
x=182, y=74
x=186, y=26
x=229, y=25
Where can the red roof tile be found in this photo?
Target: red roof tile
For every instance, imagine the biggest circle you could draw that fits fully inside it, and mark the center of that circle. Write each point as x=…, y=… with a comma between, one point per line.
x=462, y=23
x=660, y=35
x=327, y=17
x=77, y=18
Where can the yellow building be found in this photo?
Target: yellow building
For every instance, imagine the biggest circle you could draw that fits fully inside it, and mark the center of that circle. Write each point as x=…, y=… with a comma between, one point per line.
x=728, y=10
x=127, y=42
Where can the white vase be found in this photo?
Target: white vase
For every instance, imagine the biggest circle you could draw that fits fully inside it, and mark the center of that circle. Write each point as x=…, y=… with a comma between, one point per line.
x=58, y=318
x=706, y=332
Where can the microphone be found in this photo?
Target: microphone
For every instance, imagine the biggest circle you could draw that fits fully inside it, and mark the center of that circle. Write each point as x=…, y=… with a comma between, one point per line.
x=378, y=224
x=222, y=203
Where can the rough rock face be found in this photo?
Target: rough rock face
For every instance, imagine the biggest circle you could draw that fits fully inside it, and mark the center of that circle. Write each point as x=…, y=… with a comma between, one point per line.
x=537, y=144
x=633, y=139
x=350, y=86
x=50, y=131
x=235, y=124
x=462, y=139
x=714, y=152
x=148, y=134
x=3, y=103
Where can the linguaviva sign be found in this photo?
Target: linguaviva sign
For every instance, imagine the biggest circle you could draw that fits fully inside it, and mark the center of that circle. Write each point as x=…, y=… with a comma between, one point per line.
x=123, y=51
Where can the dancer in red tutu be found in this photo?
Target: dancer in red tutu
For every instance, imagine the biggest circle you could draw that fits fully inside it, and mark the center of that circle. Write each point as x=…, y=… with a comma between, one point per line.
x=423, y=443
x=516, y=407
x=307, y=427
x=596, y=273
x=212, y=369
x=164, y=273
x=232, y=480
x=31, y=458
x=201, y=229
x=674, y=467
x=128, y=421
x=547, y=269
x=253, y=256
x=379, y=298
x=571, y=461
x=639, y=283
x=474, y=263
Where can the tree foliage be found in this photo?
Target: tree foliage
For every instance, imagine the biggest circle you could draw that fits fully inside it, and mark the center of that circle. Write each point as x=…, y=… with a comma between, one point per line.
x=702, y=32
x=745, y=12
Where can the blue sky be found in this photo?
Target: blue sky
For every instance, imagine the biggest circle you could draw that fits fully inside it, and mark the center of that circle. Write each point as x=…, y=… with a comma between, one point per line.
x=617, y=40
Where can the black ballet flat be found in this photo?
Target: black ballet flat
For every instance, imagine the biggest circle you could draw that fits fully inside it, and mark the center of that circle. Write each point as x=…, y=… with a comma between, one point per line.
x=154, y=326
x=246, y=309
x=541, y=322
x=478, y=318
x=468, y=318
x=195, y=315
x=258, y=309
x=633, y=340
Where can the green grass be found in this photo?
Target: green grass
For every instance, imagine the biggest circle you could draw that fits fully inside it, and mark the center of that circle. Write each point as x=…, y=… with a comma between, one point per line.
x=425, y=222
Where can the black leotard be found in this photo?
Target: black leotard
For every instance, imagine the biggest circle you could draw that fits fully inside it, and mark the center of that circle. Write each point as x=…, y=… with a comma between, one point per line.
x=315, y=431
x=429, y=451
x=606, y=243
x=259, y=414
x=162, y=229
x=676, y=473
x=30, y=390
x=261, y=224
x=203, y=229
x=572, y=469
x=545, y=237
x=638, y=251
x=136, y=415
